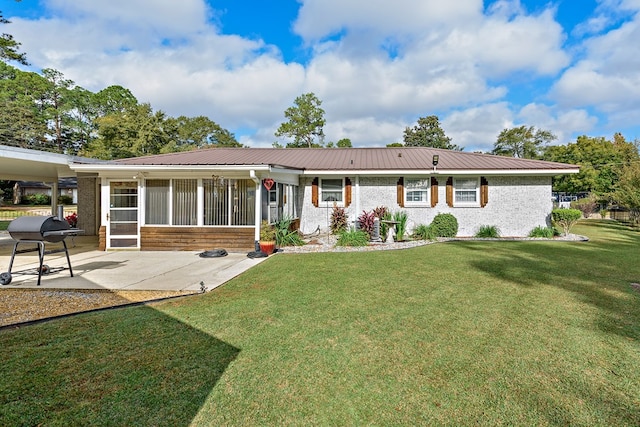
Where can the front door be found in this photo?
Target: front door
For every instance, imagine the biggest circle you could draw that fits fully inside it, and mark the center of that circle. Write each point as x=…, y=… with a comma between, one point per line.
x=122, y=218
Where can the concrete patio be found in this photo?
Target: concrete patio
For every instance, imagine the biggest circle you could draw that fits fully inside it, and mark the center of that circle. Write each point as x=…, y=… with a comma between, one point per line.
x=120, y=270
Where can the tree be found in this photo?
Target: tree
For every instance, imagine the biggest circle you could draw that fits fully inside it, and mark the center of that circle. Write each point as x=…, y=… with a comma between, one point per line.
x=22, y=119
x=9, y=46
x=522, y=142
x=395, y=144
x=200, y=132
x=56, y=105
x=428, y=133
x=114, y=99
x=627, y=189
x=343, y=143
x=305, y=122
x=600, y=162
x=138, y=131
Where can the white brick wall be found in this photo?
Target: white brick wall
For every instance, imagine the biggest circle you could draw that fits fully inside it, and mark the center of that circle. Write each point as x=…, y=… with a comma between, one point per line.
x=516, y=204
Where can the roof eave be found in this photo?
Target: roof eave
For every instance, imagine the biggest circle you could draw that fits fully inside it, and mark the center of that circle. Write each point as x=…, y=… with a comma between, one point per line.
x=437, y=171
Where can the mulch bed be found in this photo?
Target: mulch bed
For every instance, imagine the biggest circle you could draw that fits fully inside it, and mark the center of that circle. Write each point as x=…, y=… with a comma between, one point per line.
x=27, y=305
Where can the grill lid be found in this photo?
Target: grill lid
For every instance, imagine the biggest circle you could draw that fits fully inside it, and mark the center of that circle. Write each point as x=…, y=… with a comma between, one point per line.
x=37, y=228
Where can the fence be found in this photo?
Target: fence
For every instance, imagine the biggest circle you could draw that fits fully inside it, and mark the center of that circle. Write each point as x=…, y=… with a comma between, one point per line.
x=10, y=214
x=620, y=215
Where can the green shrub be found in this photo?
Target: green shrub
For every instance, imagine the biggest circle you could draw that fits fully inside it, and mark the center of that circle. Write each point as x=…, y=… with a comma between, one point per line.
x=544, y=232
x=36, y=199
x=445, y=225
x=424, y=232
x=267, y=232
x=565, y=218
x=353, y=238
x=490, y=231
x=401, y=226
x=338, y=220
x=284, y=235
x=65, y=200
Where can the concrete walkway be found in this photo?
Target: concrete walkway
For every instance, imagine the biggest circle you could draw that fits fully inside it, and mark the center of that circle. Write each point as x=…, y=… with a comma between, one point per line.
x=121, y=270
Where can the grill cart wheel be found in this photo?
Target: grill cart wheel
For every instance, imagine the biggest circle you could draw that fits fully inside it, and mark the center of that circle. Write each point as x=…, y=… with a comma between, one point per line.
x=45, y=269
x=5, y=278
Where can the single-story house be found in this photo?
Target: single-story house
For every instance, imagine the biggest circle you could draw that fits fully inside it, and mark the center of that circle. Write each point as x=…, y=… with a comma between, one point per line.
x=66, y=186
x=218, y=197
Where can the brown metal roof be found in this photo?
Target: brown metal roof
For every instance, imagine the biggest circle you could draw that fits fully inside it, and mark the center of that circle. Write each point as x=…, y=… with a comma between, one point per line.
x=356, y=159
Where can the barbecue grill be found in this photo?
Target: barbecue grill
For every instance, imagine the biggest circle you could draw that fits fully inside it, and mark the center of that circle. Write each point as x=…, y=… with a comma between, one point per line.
x=38, y=230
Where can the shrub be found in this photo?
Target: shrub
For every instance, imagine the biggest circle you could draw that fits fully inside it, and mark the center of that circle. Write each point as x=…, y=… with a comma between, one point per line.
x=353, y=238
x=566, y=218
x=36, y=199
x=424, y=232
x=284, y=235
x=401, y=226
x=587, y=205
x=544, y=232
x=490, y=231
x=366, y=221
x=267, y=232
x=445, y=225
x=338, y=220
x=65, y=199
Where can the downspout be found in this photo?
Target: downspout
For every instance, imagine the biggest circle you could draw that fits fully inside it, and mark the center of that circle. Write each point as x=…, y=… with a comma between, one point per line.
x=357, y=199
x=54, y=197
x=258, y=207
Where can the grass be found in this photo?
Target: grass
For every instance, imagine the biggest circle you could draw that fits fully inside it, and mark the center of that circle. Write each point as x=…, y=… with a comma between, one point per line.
x=488, y=231
x=463, y=333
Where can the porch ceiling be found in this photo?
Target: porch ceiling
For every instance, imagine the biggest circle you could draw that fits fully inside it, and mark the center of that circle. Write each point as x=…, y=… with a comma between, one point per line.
x=31, y=165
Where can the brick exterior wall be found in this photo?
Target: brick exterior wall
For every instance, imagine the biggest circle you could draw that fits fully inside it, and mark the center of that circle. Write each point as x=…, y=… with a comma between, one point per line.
x=516, y=205
x=87, y=204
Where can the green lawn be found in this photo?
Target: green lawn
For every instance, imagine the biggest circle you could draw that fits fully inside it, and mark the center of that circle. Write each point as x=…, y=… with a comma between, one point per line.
x=461, y=333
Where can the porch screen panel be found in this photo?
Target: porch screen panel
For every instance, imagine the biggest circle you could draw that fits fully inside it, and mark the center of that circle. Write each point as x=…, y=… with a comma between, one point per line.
x=157, y=202
x=185, y=201
x=243, y=199
x=216, y=201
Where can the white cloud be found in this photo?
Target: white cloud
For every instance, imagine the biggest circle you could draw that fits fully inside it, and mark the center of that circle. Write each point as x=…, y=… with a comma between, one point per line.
x=563, y=124
x=319, y=19
x=376, y=65
x=477, y=128
x=608, y=78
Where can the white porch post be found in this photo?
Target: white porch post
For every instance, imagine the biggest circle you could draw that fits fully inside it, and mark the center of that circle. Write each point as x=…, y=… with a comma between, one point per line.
x=258, y=213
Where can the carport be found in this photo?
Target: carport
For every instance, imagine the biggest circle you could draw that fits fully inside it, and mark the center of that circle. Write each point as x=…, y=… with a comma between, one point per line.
x=21, y=164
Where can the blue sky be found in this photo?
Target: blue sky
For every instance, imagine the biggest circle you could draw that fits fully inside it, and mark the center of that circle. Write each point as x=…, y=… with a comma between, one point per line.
x=569, y=66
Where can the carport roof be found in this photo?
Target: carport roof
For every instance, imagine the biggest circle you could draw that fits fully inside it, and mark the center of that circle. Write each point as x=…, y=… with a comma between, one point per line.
x=22, y=164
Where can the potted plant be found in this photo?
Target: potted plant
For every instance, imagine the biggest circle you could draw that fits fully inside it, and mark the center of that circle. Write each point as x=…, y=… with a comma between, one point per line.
x=267, y=238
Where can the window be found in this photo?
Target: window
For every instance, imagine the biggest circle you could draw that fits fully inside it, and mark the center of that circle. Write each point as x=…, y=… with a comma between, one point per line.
x=157, y=202
x=185, y=202
x=243, y=194
x=226, y=202
x=416, y=191
x=216, y=201
x=331, y=190
x=466, y=191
